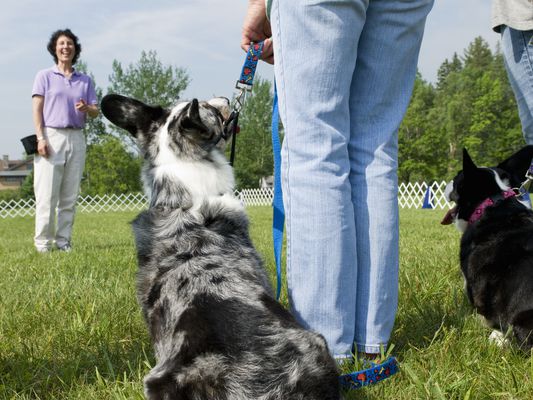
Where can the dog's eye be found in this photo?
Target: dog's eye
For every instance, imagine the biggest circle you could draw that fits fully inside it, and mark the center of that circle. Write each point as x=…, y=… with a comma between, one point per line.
x=219, y=114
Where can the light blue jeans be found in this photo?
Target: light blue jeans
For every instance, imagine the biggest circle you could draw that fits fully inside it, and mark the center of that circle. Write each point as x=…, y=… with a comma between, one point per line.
x=517, y=49
x=344, y=72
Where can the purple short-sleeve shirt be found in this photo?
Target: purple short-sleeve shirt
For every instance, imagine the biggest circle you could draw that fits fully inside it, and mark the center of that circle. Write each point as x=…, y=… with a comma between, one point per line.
x=60, y=96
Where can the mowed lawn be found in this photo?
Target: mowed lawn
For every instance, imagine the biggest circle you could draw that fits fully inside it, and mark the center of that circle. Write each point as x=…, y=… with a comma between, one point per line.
x=70, y=326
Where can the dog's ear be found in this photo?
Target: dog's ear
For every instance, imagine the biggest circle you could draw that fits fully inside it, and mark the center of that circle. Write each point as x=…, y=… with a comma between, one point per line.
x=190, y=124
x=190, y=119
x=130, y=114
x=468, y=165
x=518, y=164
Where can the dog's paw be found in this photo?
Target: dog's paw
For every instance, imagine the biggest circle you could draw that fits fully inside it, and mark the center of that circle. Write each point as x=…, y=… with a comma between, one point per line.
x=499, y=339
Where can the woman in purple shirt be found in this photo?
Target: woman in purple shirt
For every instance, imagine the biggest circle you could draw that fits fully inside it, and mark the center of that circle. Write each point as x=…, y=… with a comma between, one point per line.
x=61, y=99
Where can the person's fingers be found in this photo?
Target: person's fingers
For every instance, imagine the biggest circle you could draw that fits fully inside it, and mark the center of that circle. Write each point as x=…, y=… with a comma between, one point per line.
x=267, y=54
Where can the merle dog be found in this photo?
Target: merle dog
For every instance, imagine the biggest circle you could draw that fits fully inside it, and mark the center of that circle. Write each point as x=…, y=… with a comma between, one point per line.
x=496, y=252
x=217, y=331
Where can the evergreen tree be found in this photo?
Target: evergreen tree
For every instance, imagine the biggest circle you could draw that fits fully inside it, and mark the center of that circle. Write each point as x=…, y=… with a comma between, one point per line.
x=448, y=67
x=473, y=107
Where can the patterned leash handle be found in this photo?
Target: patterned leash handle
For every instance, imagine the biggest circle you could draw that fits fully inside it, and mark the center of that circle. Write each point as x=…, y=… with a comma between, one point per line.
x=246, y=80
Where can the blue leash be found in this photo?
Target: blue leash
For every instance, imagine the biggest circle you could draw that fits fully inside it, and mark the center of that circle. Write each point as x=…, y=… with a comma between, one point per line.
x=244, y=85
x=278, y=217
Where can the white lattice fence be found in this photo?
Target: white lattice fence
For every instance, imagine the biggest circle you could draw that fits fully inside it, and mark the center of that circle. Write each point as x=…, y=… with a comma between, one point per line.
x=410, y=195
x=121, y=202
x=256, y=197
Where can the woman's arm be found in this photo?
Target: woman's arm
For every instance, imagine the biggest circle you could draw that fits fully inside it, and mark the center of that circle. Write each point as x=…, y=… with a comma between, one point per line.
x=37, y=114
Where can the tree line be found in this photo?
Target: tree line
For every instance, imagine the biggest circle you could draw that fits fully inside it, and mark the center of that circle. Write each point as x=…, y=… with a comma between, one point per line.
x=471, y=105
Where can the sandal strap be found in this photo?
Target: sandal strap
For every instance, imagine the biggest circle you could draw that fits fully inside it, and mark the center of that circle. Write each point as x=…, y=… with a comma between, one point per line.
x=376, y=373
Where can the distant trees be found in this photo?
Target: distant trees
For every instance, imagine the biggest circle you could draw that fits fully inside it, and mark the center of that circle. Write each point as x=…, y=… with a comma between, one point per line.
x=471, y=105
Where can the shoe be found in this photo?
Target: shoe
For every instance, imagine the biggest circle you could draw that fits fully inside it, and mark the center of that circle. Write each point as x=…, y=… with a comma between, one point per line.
x=67, y=248
x=373, y=373
x=42, y=250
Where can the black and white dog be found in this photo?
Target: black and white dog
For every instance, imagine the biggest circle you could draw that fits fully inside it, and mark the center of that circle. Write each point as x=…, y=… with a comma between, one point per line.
x=496, y=251
x=216, y=329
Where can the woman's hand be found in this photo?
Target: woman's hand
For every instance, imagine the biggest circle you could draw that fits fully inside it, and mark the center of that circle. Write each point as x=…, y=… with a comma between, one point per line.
x=91, y=110
x=42, y=147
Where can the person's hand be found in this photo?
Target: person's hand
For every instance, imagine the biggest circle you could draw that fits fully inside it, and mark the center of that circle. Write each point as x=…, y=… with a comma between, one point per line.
x=256, y=28
x=82, y=106
x=42, y=147
x=91, y=110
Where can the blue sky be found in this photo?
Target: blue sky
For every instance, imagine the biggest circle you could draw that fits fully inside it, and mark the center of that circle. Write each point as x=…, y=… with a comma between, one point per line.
x=201, y=36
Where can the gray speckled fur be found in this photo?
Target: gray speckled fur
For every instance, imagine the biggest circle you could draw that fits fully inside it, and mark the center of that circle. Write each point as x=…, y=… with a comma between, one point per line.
x=217, y=331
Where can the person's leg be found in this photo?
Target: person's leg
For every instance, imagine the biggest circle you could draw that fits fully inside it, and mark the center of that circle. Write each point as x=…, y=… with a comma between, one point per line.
x=381, y=88
x=48, y=173
x=517, y=50
x=315, y=50
x=70, y=187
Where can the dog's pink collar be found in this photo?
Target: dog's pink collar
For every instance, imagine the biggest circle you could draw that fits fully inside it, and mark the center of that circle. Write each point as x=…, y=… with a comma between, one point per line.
x=488, y=202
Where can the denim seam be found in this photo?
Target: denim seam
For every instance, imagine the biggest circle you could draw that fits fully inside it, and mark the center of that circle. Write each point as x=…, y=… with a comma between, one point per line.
x=528, y=50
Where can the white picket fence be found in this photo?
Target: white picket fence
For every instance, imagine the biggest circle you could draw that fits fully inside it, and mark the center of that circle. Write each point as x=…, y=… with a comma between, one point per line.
x=410, y=195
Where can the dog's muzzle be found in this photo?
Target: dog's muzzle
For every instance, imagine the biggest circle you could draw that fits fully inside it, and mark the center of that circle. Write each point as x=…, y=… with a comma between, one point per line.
x=231, y=127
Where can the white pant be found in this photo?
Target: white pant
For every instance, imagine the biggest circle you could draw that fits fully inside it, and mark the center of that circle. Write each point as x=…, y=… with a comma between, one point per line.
x=56, y=183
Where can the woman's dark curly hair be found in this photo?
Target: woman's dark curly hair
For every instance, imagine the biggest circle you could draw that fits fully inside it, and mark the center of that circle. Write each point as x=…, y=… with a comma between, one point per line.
x=53, y=41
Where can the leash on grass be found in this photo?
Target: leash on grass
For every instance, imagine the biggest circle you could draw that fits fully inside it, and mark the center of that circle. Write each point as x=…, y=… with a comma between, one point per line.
x=244, y=86
x=374, y=374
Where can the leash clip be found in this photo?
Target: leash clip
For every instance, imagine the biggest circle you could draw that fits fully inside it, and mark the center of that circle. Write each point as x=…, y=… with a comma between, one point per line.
x=529, y=178
x=239, y=98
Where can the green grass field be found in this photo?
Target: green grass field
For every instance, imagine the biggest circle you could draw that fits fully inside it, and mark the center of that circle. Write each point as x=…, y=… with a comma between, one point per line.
x=70, y=327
